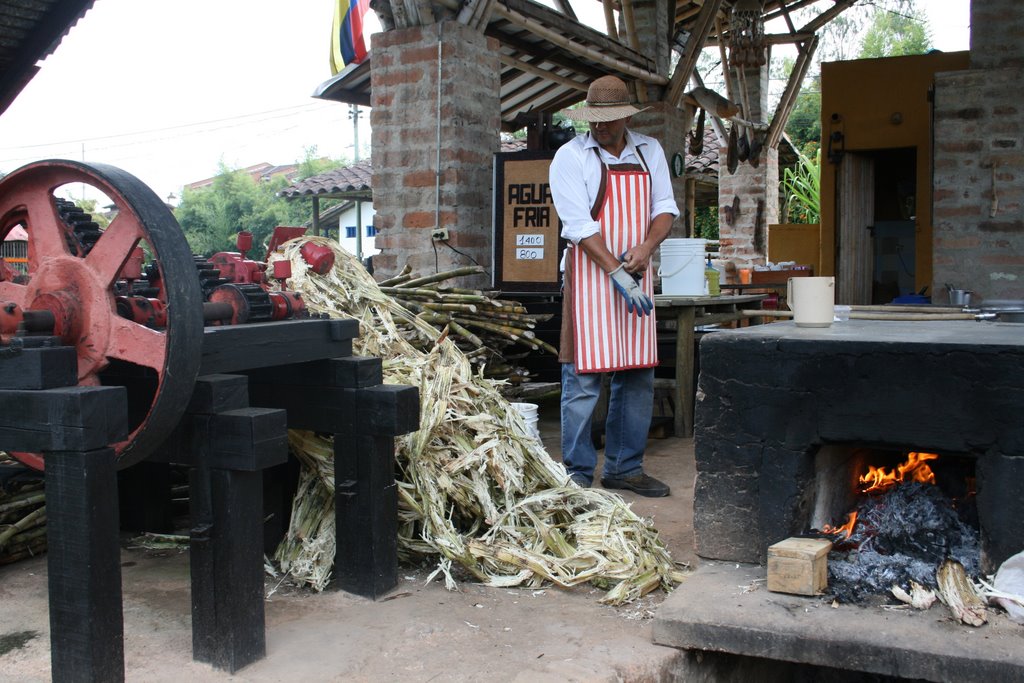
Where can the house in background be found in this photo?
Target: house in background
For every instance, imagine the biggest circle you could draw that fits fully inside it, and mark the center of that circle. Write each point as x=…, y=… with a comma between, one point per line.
x=15, y=249
x=260, y=173
x=350, y=222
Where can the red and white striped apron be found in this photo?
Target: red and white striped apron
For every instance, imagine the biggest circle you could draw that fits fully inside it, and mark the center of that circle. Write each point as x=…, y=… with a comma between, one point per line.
x=607, y=336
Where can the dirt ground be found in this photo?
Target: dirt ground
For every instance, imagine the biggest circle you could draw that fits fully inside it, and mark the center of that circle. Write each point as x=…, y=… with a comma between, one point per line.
x=418, y=632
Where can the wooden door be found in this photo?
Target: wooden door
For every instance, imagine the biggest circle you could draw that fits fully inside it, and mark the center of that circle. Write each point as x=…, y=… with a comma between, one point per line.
x=855, y=212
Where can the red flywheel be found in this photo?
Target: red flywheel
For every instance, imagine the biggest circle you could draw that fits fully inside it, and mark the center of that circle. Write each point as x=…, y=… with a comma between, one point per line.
x=78, y=273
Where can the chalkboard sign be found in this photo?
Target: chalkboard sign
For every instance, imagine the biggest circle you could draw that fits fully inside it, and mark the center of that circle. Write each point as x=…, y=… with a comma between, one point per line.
x=527, y=246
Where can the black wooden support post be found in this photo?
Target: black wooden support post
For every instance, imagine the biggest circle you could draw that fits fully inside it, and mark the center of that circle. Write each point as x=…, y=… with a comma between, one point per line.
x=366, y=495
x=73, y=427
x=84, y=566
x=345, y=396
x=232, y=443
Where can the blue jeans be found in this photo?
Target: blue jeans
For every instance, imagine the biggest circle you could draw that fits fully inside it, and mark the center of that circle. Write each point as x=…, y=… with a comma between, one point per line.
x=630, y=408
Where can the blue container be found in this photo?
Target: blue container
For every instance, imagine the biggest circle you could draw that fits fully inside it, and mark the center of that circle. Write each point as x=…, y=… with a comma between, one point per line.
x=912, y=299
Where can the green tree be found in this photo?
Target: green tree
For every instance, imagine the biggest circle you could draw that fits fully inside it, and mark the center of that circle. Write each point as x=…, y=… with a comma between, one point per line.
x=804, y=124
x=90, y=206
x=892, y=34
x=212, y=216
x=705, y=222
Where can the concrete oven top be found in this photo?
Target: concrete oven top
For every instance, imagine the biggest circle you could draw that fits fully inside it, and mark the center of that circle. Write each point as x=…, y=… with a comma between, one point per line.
x=954, y=332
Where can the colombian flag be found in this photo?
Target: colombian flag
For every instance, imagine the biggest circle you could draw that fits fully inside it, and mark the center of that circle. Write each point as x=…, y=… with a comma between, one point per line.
x=347, y=44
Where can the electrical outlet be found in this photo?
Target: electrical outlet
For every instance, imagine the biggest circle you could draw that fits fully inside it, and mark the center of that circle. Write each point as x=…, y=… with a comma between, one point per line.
x=439, y=234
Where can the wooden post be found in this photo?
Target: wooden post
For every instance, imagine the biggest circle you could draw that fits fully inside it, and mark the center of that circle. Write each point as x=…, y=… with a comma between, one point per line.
x=84, y=566
x=232, y=444
x=346, y=397
x=691, y=206
x=73, y=427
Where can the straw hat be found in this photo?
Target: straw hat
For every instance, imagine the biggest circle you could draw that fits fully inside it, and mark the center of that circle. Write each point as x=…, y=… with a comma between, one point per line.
x=607, y=100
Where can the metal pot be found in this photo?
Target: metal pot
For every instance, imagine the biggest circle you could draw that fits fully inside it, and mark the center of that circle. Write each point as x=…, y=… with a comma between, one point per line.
x=960, y=297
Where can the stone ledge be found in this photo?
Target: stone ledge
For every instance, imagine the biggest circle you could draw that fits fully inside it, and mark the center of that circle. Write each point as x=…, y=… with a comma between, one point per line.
x=711, y=611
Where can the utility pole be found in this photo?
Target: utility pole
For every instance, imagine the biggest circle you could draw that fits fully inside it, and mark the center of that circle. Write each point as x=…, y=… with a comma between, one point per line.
x=353, y=113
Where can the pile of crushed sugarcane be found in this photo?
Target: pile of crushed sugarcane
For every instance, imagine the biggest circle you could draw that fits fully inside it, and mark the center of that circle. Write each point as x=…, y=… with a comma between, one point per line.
x=22, y=511
x=483, y=326
x=476, y=489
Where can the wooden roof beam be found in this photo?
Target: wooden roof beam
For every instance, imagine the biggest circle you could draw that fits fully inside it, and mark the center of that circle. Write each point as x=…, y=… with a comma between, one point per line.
x=609, y=19
x=828, y=15
x=526, y=67
x=771, y=38
x=587, y=52
x=566, y=8
x=785, y=107
x=698, y=37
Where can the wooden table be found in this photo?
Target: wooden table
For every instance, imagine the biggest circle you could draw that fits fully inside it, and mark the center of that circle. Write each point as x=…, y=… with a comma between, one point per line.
x=690, y=312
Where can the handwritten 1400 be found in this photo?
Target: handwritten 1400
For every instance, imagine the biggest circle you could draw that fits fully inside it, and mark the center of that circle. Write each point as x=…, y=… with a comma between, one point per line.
x=531, y=204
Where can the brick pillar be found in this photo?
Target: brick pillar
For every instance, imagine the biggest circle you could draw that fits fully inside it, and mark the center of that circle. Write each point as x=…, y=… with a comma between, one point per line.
x=748, y=200
x=414, y=134
x=978, y=194
x=978, y=198
x=996, y=27
x=666, y=124
x=653, y=30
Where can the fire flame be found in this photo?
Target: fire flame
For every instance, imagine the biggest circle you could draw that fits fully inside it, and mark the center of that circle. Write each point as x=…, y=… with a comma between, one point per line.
x=845, y=529
x=913, y=469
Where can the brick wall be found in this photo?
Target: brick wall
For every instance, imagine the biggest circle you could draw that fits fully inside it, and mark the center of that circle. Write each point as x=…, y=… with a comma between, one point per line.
x=979, y=182
x=996, y=29
x=412, y=195
x=666, y=125
x=748, y=200
x=748, y=203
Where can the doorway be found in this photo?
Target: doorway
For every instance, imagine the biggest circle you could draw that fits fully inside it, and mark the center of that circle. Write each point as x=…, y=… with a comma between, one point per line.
x=876, y=200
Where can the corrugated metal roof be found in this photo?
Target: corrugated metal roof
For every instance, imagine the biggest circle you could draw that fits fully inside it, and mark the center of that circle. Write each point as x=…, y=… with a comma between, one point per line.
x=30, y=30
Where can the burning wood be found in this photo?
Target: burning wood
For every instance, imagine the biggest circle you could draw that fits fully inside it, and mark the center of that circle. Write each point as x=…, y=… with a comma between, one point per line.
x=842, y=532
x=903, y=529
x=913, y=469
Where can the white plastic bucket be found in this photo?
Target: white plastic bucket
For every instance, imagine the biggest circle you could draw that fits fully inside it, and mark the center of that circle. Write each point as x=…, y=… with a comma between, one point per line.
x=529, y=413
x=682, y=266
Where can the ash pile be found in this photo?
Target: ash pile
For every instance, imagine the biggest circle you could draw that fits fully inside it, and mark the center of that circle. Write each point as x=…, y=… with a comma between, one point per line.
x=901, y=536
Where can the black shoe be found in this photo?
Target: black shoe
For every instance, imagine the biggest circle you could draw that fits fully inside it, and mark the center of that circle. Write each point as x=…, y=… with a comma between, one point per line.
x=581, y=480
x=641, y=484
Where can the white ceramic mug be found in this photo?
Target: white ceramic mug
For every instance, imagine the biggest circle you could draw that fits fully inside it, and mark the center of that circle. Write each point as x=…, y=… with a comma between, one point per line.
x=812, y=300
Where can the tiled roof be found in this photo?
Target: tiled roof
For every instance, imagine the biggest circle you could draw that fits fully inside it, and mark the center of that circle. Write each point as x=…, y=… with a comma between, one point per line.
x=706, y=163
x=355, y=179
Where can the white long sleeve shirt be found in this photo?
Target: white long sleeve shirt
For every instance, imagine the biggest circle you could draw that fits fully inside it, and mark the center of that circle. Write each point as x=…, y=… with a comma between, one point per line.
x=575, y=161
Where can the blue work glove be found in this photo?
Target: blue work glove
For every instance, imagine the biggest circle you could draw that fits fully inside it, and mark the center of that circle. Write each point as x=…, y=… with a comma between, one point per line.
x=627, y=287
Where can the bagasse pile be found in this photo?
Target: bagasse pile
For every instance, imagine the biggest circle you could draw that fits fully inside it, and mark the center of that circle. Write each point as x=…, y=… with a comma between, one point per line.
x=22, y=511
x=475, y=488
x=487, y=330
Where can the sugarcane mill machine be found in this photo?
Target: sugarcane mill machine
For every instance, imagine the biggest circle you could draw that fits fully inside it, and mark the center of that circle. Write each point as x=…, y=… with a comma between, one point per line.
x=121, y=350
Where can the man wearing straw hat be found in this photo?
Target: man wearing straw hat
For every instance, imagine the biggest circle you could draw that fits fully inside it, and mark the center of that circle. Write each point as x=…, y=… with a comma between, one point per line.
x=613, y=194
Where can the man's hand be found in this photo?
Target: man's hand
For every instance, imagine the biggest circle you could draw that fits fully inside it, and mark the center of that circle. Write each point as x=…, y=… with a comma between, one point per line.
x=627, y=287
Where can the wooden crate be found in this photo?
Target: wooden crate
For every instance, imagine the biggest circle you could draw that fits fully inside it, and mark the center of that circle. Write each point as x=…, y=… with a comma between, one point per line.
x=777, y=277
x=798, y=566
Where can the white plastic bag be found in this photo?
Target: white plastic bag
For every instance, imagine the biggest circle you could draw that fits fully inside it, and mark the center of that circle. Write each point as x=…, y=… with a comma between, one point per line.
x=1010, y=581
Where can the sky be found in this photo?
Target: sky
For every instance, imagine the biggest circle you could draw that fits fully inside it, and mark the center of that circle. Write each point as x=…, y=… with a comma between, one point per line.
x=168, y=91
